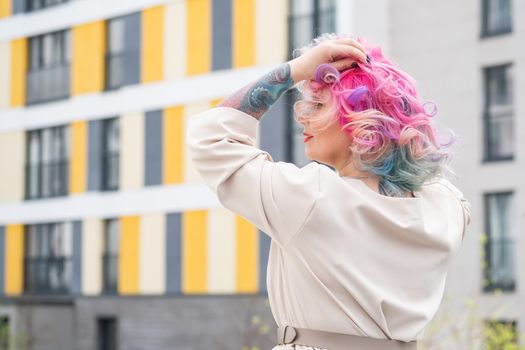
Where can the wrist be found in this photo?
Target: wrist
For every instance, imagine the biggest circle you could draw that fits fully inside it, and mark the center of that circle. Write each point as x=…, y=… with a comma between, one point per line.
x=296, y=72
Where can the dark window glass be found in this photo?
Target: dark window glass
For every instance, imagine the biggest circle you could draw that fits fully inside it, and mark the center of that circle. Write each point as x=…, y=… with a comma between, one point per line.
x=47, y=166
x=497, y=17
x=48, y=258
x=34, y=5
x=49, y=69
x=500, y=334
x=500, y=242
x=498, y=114
x=110, y=154
x=4, y=333
x=122, y=51
x=110, y=255
x=107, y=333
x=308, y=19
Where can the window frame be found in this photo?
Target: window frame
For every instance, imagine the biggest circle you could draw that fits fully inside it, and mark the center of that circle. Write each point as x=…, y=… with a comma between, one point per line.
x=60, y=163
x=110, y=287
x=126, y=55
x=291, y=95
x=490, y=286
x=38, y=71
x=29, y=7
x=46, y=232
x=110, y=156
x=485, y=33
x=102, y=323
x=488, y=119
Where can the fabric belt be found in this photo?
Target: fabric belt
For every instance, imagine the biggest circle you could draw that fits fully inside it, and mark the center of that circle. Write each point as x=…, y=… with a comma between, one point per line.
x=338, y=341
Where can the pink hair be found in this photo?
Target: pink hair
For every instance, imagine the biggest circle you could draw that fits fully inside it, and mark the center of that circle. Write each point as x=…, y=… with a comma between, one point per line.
x=377, y=104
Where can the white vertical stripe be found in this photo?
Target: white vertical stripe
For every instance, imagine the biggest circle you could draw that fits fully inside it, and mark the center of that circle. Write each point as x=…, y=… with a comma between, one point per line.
x=5, y=74
x=344, y=17
x=92, y=242
x=221, y=248
x=190, y=173
x=132, y=151
x=12, y=156
x=271, y=32
x=152, y=254
x=175, y=40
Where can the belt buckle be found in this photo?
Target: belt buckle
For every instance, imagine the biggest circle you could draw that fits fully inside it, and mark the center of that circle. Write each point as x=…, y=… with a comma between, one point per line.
x=287, y=335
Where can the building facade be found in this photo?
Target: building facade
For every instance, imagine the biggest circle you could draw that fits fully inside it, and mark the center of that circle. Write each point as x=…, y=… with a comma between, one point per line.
x=107, y=230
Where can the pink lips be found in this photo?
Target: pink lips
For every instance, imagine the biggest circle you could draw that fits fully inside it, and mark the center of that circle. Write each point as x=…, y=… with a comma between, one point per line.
x=307, y=137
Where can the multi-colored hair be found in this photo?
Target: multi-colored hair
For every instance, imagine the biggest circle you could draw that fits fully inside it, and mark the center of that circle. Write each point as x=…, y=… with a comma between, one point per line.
x=377, y=104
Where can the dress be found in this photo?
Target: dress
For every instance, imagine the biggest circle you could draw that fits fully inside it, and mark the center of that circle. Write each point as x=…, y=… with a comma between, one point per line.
x=343, y=258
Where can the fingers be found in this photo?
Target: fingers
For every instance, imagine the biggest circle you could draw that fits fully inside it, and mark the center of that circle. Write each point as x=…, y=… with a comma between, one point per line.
x=352, y=42
x=343, y=64
x=340, y=51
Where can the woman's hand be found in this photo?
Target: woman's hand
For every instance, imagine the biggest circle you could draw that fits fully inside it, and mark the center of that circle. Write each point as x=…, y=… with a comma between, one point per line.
x=339, y=53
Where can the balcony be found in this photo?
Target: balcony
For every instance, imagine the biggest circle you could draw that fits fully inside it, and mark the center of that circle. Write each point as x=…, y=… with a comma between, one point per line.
x=48, y=84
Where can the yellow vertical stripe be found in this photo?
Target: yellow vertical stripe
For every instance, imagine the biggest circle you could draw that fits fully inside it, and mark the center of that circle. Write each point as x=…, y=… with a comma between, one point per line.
x=87, y=70
x=152, y=65
x=194, y=251
x=215, y=102
x=243, y=33
x=173, y=144
x=77, y=165
x=198, y=36
x=18, y=72
x=14, y=259
x=128, y=281
x=5, y=8
x=247, y=256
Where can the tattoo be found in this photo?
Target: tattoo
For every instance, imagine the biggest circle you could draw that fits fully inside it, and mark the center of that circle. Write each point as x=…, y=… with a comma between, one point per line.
x=257, y=97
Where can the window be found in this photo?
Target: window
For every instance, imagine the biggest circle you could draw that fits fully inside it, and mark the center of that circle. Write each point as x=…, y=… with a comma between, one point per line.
x=47, y=173
x=123, y=51
x=110, y=154
x=4, y=333
x=497, y=17
x=107, y=333
x=500, y=334
x=48, y=75
x=48, y=258
x=500, y=244
x=498, y=114
x=308, y=20
x=110, y=255
x=34, y=5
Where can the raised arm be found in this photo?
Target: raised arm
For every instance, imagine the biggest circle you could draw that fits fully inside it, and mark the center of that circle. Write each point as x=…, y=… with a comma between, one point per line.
x=257, y=97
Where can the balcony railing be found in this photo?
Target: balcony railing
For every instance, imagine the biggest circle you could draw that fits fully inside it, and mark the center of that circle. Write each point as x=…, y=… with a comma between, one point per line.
x=47, y=180
x=121, y=69
x=48, y=84
x=35, y=5
x=48, y=275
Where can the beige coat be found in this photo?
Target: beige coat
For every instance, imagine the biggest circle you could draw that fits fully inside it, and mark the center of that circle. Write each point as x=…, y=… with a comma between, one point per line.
x=343, y=257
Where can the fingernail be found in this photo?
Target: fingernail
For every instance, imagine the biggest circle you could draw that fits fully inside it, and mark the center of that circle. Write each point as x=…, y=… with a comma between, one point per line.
x=368, y=58
x=354, y=65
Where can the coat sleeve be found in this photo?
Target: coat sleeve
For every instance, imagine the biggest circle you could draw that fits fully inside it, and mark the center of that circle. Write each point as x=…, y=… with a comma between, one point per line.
x=277, y=197
x=465, y=205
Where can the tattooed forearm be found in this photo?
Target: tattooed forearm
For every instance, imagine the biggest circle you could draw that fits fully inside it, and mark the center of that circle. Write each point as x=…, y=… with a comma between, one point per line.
x=256, y=98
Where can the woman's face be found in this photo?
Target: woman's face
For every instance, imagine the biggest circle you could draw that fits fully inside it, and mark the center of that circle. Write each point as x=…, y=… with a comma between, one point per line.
x=329, y=146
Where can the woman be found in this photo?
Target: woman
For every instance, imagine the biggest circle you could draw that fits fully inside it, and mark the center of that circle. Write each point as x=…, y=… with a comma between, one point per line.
x=359, y=255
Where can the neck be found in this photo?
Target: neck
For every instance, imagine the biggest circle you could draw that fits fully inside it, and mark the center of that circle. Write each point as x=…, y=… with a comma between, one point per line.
x=348, y=169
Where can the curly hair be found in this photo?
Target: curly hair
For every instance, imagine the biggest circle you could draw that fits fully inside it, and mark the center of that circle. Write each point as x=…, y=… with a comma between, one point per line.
x=377, y=104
